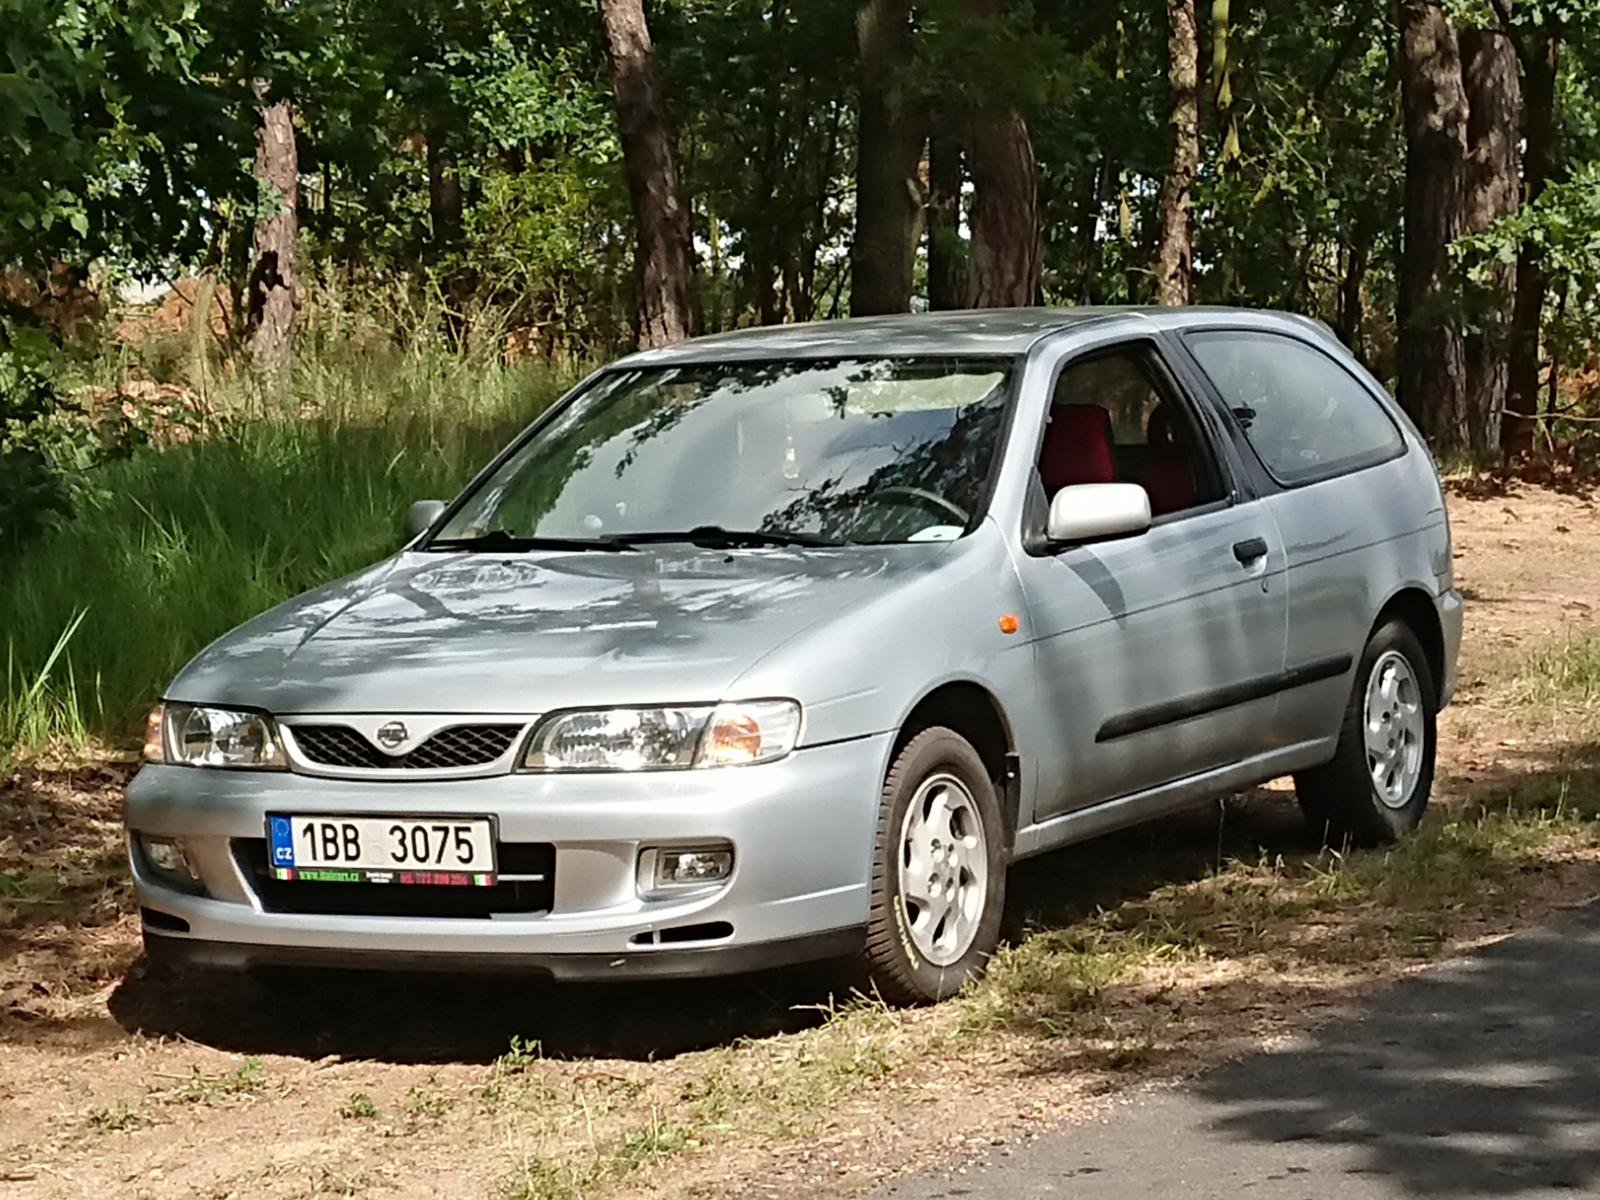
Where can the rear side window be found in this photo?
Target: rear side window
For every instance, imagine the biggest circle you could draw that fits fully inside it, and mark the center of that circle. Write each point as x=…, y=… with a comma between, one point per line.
x=1307, y=417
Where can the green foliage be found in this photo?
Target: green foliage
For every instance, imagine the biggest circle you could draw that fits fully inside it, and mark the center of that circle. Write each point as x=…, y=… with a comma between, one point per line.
x=1562, y=229
x=111, y=130
x=32, y=490
x=175, y=546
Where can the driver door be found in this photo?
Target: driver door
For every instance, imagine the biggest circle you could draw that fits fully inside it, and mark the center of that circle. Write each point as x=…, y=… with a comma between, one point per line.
x=1158, y=655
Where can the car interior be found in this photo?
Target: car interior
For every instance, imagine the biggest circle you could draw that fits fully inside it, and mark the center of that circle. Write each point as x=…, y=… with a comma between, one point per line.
x=1111, y=423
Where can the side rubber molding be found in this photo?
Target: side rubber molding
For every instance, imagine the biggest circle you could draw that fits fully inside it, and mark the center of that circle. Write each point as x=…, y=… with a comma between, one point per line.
x=1187, y=708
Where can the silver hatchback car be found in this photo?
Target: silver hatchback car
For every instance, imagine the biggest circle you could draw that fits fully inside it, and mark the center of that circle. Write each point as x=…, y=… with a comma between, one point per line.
x=784, y=644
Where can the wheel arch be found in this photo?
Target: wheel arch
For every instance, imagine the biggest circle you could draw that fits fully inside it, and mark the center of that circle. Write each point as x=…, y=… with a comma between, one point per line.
x=971, y=709
x=1416, y=607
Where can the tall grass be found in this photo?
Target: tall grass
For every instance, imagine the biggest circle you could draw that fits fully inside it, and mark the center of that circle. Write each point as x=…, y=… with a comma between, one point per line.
x=175, y=546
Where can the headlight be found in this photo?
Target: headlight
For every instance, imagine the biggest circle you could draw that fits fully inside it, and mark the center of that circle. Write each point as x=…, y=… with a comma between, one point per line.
x=665, y=739
x=198, y=735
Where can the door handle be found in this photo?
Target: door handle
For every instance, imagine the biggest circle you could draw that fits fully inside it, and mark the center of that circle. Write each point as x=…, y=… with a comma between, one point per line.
x=1250, y=551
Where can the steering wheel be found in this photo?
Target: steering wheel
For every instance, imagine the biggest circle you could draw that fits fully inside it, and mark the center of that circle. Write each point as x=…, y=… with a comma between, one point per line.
x=928, y=499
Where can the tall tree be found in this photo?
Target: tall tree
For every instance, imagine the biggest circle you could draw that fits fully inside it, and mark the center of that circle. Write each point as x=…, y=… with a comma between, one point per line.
x=664, y=252
x=889, y=139
x=1540, y=57
x=1433, y=371
x=273, y=288
x=1005, y=214
x=1005, y=197
x=1492, y=183
x=1175, y=248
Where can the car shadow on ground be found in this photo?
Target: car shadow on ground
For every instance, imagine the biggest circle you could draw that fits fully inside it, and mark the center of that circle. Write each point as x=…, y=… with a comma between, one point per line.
x=1477, y=1079
x=438, y=1018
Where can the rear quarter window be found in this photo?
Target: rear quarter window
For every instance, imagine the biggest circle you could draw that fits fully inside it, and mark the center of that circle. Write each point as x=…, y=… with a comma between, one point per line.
x=1306, y=417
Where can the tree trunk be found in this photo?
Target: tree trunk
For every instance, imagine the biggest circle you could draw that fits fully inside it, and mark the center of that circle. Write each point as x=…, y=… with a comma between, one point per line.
x=1175, y=247
x=445, y=223
x=1005, y=214
x=444, y=192
x=1352, y=307
x=1432, y=356
x=273, y=290
x=663, y=251
x=888, y=149
x=1539, y=136
x=947, y=258
x=1492, y=181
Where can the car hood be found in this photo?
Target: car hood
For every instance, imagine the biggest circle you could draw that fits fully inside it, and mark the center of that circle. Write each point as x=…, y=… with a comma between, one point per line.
x=528, y=633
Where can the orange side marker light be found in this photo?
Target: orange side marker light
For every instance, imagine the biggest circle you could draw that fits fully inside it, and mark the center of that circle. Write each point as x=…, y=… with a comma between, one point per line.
x=1009, y=624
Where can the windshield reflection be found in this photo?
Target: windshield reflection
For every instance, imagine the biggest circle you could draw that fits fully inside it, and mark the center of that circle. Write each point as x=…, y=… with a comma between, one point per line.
x=856, y=450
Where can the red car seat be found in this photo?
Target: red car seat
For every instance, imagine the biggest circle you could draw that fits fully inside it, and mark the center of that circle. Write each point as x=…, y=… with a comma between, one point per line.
x=1167, y=475
x=1078, y=448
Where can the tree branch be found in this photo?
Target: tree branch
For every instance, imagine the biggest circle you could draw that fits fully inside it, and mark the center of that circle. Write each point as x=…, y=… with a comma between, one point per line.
x=1508, y=27
x=1341, y=56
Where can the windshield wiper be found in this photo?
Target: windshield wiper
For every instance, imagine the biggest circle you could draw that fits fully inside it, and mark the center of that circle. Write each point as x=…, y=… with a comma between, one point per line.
x=500, y=541
x=719, y=538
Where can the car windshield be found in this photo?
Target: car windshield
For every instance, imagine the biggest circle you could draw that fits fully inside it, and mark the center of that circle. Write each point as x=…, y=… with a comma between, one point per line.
x=770, y=453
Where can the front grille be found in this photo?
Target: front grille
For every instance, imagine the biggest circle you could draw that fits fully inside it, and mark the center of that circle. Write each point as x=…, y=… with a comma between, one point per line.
x=519, y=896
x=457, y=746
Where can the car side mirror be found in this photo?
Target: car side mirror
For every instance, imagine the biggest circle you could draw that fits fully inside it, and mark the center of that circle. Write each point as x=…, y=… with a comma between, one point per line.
x=1087, y=512
x=421, y=516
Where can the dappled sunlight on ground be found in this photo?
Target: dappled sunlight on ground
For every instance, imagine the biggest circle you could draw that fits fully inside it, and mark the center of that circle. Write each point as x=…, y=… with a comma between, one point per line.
x=1145, y=955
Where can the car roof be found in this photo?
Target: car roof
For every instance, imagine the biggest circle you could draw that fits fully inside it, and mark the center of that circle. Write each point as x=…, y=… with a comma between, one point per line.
x=975, y=332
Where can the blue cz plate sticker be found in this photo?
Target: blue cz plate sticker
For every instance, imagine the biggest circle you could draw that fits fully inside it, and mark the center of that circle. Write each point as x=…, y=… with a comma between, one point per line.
x=282, y=843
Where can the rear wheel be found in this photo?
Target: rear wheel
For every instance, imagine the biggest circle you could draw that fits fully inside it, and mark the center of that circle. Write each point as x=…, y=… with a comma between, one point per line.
x=938, y=877
x=1377, y=786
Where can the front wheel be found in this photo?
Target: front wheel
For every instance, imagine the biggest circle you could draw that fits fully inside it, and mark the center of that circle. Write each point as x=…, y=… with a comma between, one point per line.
x=938, y=875
x=1377, y=786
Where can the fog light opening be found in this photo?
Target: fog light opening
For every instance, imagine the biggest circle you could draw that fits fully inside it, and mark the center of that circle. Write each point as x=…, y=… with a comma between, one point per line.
x=664, y=869
x=693, y=868
x=169, y=861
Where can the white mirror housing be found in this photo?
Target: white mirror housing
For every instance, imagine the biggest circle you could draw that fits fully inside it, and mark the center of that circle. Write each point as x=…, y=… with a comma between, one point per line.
x=1086, y=512
x=421, y=515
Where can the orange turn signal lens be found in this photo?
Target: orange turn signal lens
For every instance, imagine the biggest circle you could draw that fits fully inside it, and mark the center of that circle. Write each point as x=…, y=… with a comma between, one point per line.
x=1010, y=623
x=733, y=739
x=155, y=742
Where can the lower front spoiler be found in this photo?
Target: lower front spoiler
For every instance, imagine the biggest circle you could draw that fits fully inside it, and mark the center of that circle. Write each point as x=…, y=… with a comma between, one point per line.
x=691, y=963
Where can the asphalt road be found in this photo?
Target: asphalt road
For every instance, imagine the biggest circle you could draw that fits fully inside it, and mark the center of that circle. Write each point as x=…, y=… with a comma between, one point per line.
x=1481, y=1078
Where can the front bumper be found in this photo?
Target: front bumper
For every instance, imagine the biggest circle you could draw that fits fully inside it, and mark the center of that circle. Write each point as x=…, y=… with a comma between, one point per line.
x=801, y=829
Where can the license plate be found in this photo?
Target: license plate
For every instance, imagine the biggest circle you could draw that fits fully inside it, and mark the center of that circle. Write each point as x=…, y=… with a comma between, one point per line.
x=433, y=851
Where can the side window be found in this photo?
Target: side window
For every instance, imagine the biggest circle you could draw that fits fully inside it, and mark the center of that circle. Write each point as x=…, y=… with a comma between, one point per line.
x=1113, y=420
x=1307, y=418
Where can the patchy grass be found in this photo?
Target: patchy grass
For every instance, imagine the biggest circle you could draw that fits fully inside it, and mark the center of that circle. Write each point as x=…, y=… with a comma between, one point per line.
x=607, y=1165
x=1112, y=996
x=114, y=1118
x=1566, y=674
x=200, y=1088
x=427, y=1104
x=359, y=1106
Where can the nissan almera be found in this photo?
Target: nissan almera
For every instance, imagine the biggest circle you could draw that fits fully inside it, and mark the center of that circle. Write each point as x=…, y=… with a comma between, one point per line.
x=784, y=644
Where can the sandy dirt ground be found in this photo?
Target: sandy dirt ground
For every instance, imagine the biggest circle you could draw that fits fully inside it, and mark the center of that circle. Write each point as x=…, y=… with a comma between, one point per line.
x=116, y=1082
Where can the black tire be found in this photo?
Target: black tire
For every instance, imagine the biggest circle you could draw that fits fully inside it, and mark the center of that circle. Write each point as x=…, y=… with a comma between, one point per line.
x=900, y=972
x=1341, y=799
